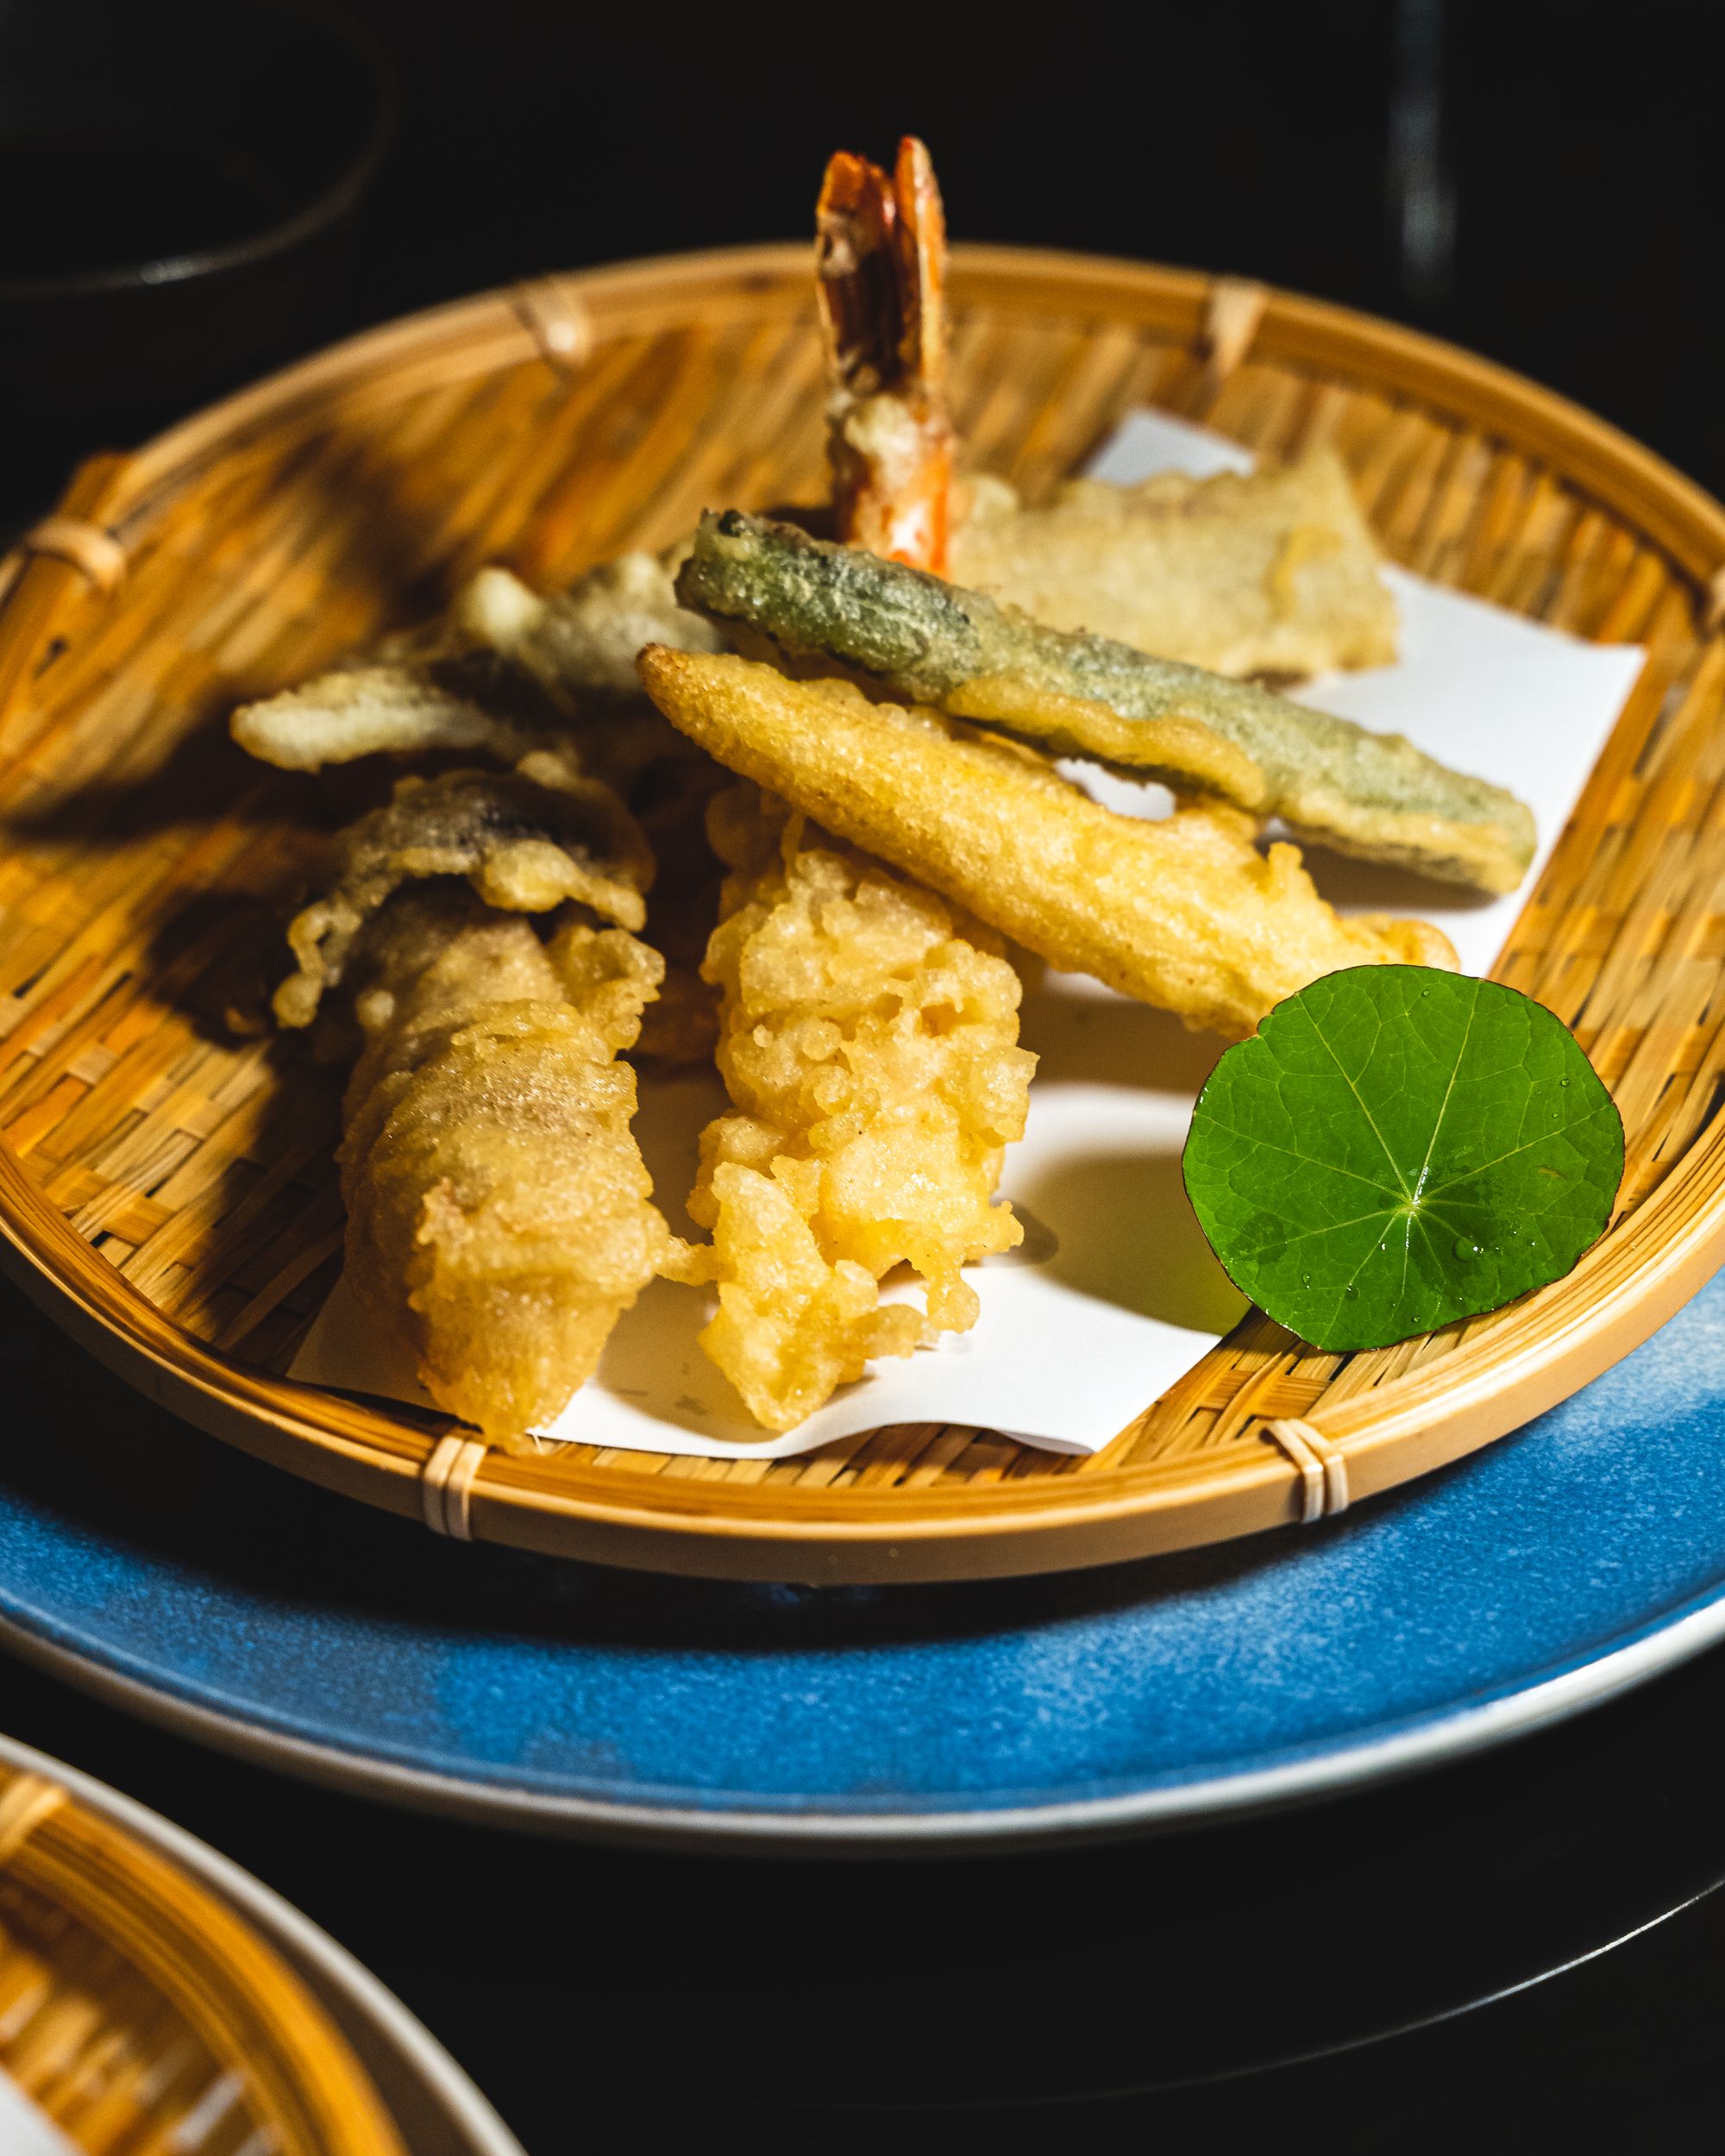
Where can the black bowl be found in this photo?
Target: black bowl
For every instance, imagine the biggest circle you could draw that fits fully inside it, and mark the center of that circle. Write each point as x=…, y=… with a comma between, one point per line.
x=173, y=175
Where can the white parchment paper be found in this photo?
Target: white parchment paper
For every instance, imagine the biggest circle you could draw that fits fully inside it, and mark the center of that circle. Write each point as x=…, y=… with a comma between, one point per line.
x=25, y=2128
x=1114, y=1292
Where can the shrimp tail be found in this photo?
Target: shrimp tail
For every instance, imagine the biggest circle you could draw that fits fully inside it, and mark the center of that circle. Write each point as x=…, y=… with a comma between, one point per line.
x=881, y=255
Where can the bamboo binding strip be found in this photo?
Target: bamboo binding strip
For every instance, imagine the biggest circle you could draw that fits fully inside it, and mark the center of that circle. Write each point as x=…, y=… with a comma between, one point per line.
x=1322, y=1466
x=139, y=2012
x=168, y=1191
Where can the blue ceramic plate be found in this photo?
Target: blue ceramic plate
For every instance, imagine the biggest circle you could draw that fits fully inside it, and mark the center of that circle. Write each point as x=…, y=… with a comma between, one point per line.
x=1549, y=1571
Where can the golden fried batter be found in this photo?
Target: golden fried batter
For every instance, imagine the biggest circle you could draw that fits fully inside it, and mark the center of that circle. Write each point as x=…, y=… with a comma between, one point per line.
x=498, y=1213
x=548, y=686
x=579, y=645
x=1374, y=795
x=870, y=1042
x=504, y=671
x=1184, y=913
x=1275, y=572
x=523, y=846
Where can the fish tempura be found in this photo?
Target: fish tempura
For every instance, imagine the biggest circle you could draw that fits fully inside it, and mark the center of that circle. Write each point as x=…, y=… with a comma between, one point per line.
x=1272, y=571
x=868, y=1039
x=499, y=1216
x=1184, y=913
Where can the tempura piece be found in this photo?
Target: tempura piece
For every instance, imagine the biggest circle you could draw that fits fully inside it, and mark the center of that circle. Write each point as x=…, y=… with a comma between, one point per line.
x=1274, y=574
x=1374, y=795
x=499, y=1216
x=503, y=671
x=1274, y=571
x=585, y=643
x=1184, y=912
x=579, y=645
x=547, y=688
x=522, y=847
x=879, y=278
x=869, y=1044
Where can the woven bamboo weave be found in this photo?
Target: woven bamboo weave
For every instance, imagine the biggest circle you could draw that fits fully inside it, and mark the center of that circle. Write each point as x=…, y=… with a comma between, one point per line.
x=168, y=1191
x=140, y=2015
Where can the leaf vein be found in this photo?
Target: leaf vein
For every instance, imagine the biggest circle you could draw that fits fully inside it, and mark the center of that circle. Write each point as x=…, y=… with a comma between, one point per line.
x=1306, y=1160
x=1394, y=1169
x=1484, y=1166
x=1444, y=1106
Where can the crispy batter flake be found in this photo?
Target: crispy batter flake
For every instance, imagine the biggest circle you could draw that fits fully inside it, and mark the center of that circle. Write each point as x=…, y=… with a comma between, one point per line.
x=523, y=846
x=869, y=1044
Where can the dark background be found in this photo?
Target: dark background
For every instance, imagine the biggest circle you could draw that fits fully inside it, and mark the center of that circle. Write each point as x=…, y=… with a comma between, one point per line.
x=1537, y=179
x=1541, y=182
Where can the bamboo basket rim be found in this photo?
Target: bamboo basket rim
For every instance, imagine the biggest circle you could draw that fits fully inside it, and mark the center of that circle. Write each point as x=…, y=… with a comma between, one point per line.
x=225, y=1982
x=1502, y=1375
x=1305, y=327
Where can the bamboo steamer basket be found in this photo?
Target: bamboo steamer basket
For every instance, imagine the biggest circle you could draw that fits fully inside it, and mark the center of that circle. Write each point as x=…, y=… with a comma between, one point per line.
x=139, y=2012
x=167, y=1192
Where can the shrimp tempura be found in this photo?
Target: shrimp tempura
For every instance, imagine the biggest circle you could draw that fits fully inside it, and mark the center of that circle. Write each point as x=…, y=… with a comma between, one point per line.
x=880, y=281
x=870, y=1042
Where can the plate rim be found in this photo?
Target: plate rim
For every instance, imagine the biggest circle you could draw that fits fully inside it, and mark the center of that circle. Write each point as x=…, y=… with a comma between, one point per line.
x=280, y=1921
x=1440, y=1735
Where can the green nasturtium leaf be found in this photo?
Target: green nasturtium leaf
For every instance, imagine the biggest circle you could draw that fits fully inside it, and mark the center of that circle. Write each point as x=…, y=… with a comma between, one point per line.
x=1397, y=1148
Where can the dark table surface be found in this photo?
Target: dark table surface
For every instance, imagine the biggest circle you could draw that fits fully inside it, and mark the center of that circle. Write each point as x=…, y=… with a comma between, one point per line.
x=1524, y=1951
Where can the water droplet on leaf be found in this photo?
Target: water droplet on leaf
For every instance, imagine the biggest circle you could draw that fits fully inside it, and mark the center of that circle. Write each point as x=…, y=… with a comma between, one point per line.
x=1264, y=1239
